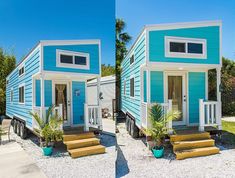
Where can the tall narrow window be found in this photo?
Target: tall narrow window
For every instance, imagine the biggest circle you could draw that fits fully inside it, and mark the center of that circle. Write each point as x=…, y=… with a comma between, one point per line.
x=21, y=94
x=132, y=59
x=21, y=71
x=124, y=87
x=132, y=87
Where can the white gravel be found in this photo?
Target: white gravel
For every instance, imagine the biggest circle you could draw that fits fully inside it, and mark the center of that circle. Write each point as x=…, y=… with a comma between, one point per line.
x=134, y=160
x=60, y=164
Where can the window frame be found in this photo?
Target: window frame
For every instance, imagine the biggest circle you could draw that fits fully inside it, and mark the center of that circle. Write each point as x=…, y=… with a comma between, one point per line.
x=21, y=85
x=11, y=95
x=132, y=55
x=185, y=54
x=73, y=54
x=132, y=77
x=20, y=67
x=124, y=88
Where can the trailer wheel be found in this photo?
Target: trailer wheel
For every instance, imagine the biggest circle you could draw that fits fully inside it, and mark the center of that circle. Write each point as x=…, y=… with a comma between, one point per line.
x=15, y=126
x=23, y=131
x=127, y=123
x=18, y=128
x=134, y=130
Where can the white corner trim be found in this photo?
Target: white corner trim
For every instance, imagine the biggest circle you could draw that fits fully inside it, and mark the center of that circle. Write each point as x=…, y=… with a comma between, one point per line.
x=73, y=54
x=185, y=54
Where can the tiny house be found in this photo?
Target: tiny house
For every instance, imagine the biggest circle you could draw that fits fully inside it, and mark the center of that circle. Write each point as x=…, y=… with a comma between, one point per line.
x=168, y=64
x=55, y=73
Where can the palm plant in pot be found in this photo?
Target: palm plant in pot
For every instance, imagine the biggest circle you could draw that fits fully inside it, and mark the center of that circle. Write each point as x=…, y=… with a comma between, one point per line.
x=49, y=130
x=159, y=130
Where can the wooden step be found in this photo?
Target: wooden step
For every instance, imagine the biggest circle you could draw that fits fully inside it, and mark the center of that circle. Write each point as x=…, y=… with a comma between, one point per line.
x=85, y=151
x=82, y=143
x=184, y=145
x=187, y=137
x=196, y=152
x=70, y=137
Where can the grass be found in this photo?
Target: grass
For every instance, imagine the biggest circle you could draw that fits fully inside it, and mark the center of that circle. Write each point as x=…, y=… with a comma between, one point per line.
x=228, y=134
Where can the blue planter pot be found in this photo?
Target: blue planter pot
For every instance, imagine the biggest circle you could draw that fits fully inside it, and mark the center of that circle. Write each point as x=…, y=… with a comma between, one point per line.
x=47, y=151
x=158, y=152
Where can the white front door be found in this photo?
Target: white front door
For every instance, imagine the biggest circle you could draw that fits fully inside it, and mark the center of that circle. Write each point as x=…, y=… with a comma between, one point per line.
x=176, y=91
x=61, y=95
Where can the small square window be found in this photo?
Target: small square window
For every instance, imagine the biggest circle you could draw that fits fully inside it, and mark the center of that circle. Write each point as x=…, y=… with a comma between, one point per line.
x=132, y=87
x=132, y=59
x=7, y=82
x=67, y=59
x=80, y=60
x=177, y=47
x=195, y=48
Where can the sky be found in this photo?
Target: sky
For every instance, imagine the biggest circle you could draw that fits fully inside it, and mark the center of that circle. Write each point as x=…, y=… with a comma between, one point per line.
x=24, y=23
x=137, y=13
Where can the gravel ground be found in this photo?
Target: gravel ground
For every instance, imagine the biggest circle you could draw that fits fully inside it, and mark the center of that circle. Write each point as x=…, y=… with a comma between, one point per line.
x=135, y=160
x=60, y=164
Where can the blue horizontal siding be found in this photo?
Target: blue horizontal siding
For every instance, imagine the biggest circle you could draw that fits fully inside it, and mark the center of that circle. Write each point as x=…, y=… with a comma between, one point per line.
x=22, y=110
x=38, y=93
x=211, y=34
x=49, y=53
x=78, y=102
x=196, y=91
x=128, y=104
x=156, y=87
x=48, y=93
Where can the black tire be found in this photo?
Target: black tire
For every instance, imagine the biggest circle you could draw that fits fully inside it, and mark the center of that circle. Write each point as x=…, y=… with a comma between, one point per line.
x=23, y=131
x=15, y=126
x=127, y=123
x=18, y=128
x=134, y=130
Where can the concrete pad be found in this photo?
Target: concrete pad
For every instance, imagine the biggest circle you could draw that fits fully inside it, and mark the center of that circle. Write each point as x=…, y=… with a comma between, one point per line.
x=108, y=126
x=15, y=162
x=229, y=119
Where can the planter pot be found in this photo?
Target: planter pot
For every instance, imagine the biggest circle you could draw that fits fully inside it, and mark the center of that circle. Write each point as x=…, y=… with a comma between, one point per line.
x=158, y=151
x=47, y=151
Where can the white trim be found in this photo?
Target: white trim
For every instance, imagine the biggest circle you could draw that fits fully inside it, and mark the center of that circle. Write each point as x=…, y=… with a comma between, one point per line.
x=21, y=85
x=132, y=77
x=73, y=54
x=41, y=58
x=19, y=68
x=206, y=85
x=180, y=25
x=132, y=64
x=69, y=42
x=186, y=54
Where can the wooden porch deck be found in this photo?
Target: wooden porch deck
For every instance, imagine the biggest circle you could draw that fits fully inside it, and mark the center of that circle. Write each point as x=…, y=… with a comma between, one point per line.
x=184, y=130
x=78, y=130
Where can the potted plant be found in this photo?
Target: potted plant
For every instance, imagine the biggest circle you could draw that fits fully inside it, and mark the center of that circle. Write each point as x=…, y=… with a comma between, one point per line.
x=49, y=130
x=159, y=129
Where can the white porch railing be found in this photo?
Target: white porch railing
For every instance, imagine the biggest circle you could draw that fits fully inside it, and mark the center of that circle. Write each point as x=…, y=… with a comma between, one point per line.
x=92, y=116
x=209, y=114
x=146, y=123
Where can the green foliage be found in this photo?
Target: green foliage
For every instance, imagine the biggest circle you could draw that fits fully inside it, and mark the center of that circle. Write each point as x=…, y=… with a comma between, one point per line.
x=159, y=121
x=50, y=129
x=107, y=70
x=7, y=64
x=228, y=86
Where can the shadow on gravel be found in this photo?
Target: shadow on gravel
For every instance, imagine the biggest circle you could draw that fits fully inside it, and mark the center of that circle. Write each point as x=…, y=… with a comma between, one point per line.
x=121, y=164
x=227, y=140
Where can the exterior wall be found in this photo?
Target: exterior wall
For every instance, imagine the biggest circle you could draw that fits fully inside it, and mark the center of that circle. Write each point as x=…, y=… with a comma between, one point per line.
x=22, y=110
x=196, y=91
x=211, y=34
x=38, y=93
x=133, y=104
x=156, y=87
x=48, y=93
x=78, y=102
x=49, y=58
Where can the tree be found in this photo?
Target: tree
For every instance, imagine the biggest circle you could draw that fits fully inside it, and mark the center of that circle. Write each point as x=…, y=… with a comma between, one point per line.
x=122, y=39
x=107, y=70
x=7, y=64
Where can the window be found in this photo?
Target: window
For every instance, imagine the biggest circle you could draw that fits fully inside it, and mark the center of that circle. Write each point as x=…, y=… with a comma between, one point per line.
x=11, y=95
x=72, y=59
x=21, y=94
x=124, y=87
x=21, y=71
x=185, y=47
x=132, y=90
x=132, y=59
x=7, y=82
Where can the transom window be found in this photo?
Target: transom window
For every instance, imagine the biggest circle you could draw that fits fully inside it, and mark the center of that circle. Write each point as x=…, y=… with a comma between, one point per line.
x=21, y=71
x=185, y=47
x=72, y=59
x=21, y=94
x=132, y=87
